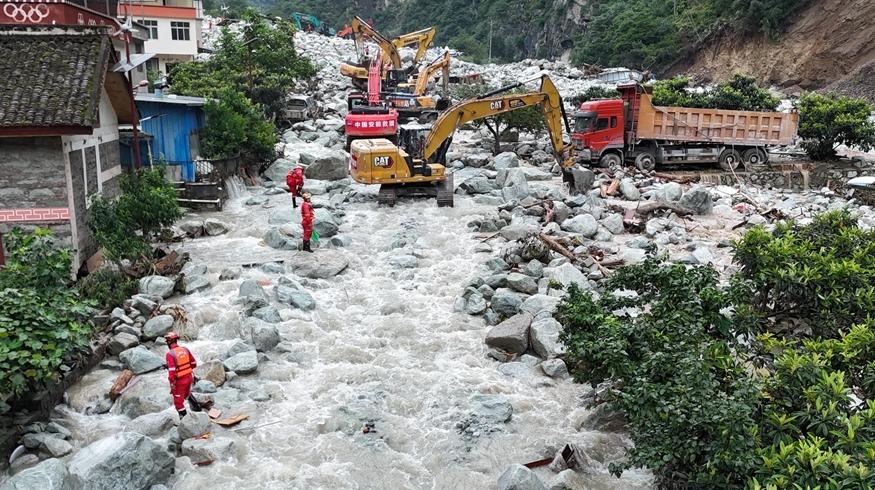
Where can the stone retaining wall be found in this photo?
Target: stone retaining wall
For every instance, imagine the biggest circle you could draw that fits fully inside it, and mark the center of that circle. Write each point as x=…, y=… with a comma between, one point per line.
x=794, y=177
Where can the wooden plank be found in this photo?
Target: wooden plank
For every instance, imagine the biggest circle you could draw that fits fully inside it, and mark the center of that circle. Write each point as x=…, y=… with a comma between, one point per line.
x=120, y=383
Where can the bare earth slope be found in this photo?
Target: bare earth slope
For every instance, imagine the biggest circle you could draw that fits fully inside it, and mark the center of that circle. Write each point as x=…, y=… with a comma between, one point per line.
x=827, y=43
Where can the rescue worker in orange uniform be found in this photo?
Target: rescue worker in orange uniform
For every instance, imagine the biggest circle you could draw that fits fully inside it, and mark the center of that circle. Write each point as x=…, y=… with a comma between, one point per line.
x=307, y=220
x=180, y=365
x=295, y=181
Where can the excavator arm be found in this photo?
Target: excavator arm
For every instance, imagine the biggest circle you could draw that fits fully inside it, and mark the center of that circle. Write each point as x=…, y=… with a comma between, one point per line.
x=442, y=63
x=421, y=38
x=492, y=104
x=361, y=29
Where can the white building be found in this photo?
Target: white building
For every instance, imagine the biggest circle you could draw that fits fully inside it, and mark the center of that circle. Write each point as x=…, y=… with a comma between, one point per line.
x=174, y=30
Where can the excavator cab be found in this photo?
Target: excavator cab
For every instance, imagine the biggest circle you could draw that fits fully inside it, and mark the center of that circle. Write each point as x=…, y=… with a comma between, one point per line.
x=412, y=138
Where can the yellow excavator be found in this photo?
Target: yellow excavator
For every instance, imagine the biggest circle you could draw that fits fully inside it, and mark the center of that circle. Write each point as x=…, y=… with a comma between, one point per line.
x=419, y=168
x=390, y=49
x=410, y=99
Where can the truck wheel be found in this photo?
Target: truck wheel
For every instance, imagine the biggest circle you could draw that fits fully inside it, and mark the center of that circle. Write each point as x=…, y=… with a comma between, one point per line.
x=729, y=159
x=645, y=162
x=610, y=160
x=754, y=156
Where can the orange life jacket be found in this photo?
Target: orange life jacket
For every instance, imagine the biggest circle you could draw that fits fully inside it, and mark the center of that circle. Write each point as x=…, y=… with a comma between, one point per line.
x=182, y=357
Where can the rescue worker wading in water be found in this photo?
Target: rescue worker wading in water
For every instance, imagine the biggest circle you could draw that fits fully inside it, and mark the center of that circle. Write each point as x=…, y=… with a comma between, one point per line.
x=295, y=181
x=180, y=365
x=307, y=220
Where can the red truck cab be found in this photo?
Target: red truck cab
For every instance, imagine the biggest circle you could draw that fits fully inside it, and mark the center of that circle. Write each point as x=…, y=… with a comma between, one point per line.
x=599, y=126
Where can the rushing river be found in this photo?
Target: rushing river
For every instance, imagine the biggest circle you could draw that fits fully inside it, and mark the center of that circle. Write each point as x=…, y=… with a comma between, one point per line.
x=383, y=346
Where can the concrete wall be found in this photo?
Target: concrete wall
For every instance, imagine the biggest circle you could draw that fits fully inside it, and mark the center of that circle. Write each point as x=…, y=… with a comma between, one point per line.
x=33, y=186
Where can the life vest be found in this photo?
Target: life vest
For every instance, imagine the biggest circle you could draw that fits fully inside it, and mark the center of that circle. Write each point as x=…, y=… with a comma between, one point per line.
x=182, y=357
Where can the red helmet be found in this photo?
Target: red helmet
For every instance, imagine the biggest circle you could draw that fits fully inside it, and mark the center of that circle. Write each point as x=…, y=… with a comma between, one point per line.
x=171, y=337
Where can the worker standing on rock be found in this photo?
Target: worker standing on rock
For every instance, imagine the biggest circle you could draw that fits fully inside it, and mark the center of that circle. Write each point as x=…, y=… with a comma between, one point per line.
x=295, y=181
x=180, y=366
x=307, y=220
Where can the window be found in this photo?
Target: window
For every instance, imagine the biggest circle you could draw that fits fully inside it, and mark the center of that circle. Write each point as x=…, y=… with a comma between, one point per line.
x=152, y=65
x=151, y=28
x=613, y=121
x=179, y=31
x=602, y=123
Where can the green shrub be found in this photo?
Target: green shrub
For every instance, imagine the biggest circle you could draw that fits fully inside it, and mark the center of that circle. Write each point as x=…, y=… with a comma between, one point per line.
x=124, y=227
x=108, y=287
x=592, y=93
x=740, y=93
x=35, y=259
x=826, y=121
x=236, y=126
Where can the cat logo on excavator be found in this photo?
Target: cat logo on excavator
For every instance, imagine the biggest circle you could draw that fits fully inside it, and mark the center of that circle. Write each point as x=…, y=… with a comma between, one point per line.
x=496, y=105
x=383, y=161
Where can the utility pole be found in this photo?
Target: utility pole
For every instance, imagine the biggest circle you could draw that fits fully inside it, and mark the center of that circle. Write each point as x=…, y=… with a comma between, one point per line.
x=490, y=41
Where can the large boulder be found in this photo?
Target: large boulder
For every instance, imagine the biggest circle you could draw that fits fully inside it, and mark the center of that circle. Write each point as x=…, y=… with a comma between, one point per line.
x=515, y=186
x=203, y=450
x=123, y=460
x=212, y=371
x=322, y=265
x=330, y=165
x=585, y=224
x=698, y=200
x=157, y=286
x=213, y=227
x=492, y=408
x=121, y=342
x=506, y=160
x=150, y=394
x=154, y=424
x=265, y=336
x=275, y=238
x=325, y=223
x=628, y=189
x=278, y=170
x=252, y=294
x=583, y=179
x=522, y=283
x=158, y=326
x=50, y=474
x=541, y=305
x=545, y=338
x=141, y=360
x=511, y=335
x=477, y=184
x=242, y=363
x=194, y=424
x=506, y=302
x=566, y=274
x=518, y=231
x=518, y=477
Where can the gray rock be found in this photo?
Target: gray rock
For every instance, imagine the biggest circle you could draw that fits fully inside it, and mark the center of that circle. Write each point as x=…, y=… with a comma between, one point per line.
x=229, y=273
x=143, y=304
x=545, y=338
x=237, y=346
x=477, y=184
x=214, y=227
x=496, y=264
x=518, y=477
x=322, y=265
x=331, y=165
x=196, y=283
x=698, y=200
x=123, y=460
x=476, y=304
x=541, y=305
x=194, y=424
x=567, y=274
x=141, y=360
x=204, y=386
x=158, y=326
x=192, y=269
x=276, y=239
x=522, y=283
x=325, y=223
x=533, y=268
x=271, y=191
x=278, y=170
x=273, y=268
x=506, y=160
x=613, y=223
x=150, y=394
x=265, y=336
x=251, y=293
x=585, y=224
x=212, y=371
x=119, y=314
x=672, y=191
x=555, y=368
x=515, y=186
x=281, y=216
x=121, y=342
x=21, y=463
x=583, y=179
x=511, y=335
x=298, y=298
x=632, y=256
x=214, y=449
x=628, y=189
x=51, y=474
x=130, y=329
x=268, y=314
x=243, y=363
x=568, y=480
x=506, y=302
x=57, y=448
x=193, y=229
x=154, y=424
x=704, y=256
x=157, y=286
x=56, y=428
x=492, y=408
x=256, y=201
x=476, y=159
x=517, y=232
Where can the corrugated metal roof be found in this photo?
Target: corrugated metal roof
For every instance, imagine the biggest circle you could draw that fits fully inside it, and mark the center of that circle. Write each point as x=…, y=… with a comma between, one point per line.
x=171, y=99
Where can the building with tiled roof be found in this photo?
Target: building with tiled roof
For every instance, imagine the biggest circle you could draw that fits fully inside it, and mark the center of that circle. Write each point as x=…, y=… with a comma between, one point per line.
x=61, y=104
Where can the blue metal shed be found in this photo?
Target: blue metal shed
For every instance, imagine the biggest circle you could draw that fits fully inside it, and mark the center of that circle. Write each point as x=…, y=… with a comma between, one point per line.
x=175, y=123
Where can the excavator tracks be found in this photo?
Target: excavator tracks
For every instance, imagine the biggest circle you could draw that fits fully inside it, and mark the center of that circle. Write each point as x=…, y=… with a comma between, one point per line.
x=387, y=196
x=445, y=193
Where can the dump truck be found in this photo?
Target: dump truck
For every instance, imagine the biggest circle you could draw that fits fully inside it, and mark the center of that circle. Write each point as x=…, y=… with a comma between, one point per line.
x=633, y=130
